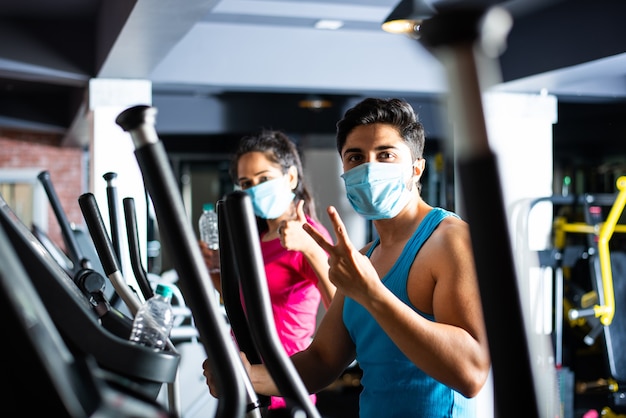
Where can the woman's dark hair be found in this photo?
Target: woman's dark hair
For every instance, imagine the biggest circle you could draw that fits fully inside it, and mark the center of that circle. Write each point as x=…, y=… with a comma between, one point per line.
x=279, y=149
x=395, y=112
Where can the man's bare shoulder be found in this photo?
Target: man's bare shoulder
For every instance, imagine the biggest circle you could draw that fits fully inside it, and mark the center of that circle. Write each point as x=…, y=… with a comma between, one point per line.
x=452, y=231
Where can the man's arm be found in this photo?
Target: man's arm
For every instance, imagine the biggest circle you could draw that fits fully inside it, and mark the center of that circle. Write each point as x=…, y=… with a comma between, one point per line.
x=453, y=349
x=328, y=355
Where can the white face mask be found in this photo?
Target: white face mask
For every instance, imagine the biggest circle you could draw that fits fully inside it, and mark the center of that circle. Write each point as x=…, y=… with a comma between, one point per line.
x=378, y=190
x=271, y=198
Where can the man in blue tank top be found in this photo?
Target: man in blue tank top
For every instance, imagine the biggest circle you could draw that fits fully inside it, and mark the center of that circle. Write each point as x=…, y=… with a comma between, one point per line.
x=407, y=305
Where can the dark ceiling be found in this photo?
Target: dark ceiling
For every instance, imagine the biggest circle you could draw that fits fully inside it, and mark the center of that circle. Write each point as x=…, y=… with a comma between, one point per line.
x=258, y=58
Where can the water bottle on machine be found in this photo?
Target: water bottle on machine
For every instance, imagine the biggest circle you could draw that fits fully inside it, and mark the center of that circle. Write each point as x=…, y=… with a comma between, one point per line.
x=154, y=320
x=207, y=225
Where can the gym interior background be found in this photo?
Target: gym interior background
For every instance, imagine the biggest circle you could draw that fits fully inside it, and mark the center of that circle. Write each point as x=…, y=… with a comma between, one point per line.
x=227, y=68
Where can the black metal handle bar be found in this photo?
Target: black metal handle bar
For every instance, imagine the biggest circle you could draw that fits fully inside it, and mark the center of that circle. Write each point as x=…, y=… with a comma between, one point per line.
x=113, y=215
x=73, y=248
x=133, y=246
x=244, y=236
x=453, y=36
x=231, y=294
x=178, y=236
x=97, y=229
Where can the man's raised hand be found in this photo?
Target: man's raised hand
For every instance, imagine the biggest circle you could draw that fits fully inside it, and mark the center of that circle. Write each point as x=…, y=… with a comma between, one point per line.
x=350, y=271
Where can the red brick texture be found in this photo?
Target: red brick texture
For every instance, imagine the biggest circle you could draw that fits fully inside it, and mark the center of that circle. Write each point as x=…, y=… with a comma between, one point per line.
x=65, y=165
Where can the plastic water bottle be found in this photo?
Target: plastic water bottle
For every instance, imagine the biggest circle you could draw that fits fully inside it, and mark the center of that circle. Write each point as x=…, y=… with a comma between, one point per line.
x=154, y=320
x=207, y=224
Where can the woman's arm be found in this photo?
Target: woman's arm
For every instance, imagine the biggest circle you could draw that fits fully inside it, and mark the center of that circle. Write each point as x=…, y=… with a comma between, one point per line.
x=318, y=260
x=293, y=237
x=211, y=260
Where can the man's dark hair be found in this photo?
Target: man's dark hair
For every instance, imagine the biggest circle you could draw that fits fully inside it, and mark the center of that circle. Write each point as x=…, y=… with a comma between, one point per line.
x=395, y=112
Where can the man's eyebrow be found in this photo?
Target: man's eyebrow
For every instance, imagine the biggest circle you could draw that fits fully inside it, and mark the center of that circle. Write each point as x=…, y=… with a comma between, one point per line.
x=378, y=148
x=385, y=147
x=352, y=150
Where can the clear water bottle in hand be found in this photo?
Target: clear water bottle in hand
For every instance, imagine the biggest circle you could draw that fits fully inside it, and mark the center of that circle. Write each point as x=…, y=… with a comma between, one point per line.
x=154, y=320
x=209, y=233
x=208, y=226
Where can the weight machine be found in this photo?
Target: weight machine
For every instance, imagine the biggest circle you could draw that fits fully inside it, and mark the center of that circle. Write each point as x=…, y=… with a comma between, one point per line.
x=589, y=271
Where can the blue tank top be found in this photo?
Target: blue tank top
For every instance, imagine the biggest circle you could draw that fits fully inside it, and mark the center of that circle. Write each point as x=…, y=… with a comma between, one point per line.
x=392, y=385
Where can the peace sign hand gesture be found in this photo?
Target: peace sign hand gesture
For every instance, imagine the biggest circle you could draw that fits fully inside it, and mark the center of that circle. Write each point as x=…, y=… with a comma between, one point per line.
x=351, y=271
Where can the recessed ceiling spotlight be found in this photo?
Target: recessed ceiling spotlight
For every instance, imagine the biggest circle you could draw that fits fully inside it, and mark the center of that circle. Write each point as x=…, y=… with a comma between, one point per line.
x=328, y=24
x=315, y=103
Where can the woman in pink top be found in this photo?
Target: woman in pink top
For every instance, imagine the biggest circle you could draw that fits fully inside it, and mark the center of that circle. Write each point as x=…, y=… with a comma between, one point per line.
x=268, y=168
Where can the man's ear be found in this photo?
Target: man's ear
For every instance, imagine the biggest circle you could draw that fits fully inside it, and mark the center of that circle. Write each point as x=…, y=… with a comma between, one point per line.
x=293, y=177
x=419, y=166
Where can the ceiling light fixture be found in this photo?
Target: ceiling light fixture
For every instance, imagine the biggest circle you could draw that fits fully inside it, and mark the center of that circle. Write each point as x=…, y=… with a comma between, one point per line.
x=407, y=17
x=328, y=24
x=315, y=103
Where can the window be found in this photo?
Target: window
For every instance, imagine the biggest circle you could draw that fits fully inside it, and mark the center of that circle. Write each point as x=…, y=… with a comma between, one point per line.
x=23, y=192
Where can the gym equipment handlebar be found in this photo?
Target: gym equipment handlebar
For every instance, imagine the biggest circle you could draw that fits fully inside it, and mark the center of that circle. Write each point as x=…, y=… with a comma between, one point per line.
x=194, y=280
x=108, y=257
x=251, y=271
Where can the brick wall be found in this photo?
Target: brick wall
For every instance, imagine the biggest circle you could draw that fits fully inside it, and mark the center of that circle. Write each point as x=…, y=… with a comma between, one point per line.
x=65, y=165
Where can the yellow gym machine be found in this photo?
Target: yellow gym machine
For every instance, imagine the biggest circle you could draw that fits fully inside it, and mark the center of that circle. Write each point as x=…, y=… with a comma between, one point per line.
x=598, y=311
x=603, y=304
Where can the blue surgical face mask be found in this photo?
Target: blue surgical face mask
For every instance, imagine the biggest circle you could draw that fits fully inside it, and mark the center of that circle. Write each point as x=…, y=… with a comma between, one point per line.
x=271, y=198
x=378, y=190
